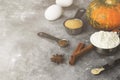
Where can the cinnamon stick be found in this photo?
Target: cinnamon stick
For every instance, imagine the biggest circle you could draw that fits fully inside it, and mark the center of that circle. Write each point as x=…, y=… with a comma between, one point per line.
x=79, y=47
x=79, y=53
x=85, y=50
x=116, y=30
x=76, y=51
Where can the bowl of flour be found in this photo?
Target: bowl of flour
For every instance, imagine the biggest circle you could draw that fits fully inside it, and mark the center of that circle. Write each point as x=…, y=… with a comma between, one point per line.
x=105, y=42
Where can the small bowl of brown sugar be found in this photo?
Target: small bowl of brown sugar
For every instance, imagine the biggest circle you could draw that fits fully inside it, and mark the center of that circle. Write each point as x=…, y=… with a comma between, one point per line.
x=74, y=25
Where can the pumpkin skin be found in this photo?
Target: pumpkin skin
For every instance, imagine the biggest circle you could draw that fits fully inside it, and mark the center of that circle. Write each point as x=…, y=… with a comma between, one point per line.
x=104, y=14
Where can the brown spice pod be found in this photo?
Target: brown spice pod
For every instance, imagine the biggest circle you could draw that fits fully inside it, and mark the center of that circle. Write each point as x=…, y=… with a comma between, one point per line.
x=117, y=30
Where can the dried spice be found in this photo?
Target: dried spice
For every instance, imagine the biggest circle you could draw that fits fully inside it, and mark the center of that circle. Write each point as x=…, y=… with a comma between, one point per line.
x=63, y=43
x=105, y=67
x=57, y=58
x=80, y=50
x=77, y=50
x=117, y=30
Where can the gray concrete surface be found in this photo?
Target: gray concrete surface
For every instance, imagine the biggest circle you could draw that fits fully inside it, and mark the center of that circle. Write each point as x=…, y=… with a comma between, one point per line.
x=25, y=56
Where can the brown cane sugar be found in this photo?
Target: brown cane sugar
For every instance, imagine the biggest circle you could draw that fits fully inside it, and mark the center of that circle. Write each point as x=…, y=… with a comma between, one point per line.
x=73, y=24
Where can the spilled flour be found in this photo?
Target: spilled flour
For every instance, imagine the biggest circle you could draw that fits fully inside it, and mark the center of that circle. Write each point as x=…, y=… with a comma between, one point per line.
x=105, y=39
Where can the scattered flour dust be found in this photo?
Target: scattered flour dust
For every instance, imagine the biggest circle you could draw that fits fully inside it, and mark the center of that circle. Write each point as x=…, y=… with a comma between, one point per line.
x=105, y=39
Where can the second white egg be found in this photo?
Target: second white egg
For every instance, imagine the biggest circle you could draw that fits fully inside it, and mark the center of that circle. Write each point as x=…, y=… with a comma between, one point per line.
x=64, y=3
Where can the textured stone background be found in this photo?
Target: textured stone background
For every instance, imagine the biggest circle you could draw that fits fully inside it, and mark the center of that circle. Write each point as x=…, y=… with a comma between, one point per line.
x=25, y=56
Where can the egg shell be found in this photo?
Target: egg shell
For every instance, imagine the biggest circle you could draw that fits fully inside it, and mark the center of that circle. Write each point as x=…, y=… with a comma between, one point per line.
x=53, y=12
x=64, y=3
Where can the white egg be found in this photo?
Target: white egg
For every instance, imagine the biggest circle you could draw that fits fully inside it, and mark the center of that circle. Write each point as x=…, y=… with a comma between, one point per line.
x=53, y=12
x=64, y=3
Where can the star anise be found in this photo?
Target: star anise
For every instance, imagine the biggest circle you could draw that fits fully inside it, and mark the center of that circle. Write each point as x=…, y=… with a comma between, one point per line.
x=57, y=58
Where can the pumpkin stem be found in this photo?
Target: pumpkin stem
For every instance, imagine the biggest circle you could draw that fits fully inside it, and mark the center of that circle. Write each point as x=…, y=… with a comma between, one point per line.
x=110, y=2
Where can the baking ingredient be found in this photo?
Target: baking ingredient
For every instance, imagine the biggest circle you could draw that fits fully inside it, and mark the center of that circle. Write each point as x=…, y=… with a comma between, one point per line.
x=77, y=50
x=105, y=39
x=105, y=67
x=73, y=23
x=85, y=50
x=63, y=43
x=117, y=30
x=97, y=71
x=64, y=3
x=60, y=42
x=80, y=51
x=57, y=58
x=104, y=14
x=53, y=12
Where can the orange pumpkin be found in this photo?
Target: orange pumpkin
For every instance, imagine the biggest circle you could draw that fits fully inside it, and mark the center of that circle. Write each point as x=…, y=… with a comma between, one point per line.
x=104, y=14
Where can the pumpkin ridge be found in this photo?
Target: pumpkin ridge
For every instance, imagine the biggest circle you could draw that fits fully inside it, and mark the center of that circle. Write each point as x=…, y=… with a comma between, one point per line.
x=102, y=16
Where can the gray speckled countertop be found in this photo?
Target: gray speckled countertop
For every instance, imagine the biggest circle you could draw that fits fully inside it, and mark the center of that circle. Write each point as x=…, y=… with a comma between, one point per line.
x=25, y=56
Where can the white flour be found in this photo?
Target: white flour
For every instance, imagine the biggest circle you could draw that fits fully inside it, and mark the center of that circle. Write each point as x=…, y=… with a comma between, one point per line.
x=105, y=39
